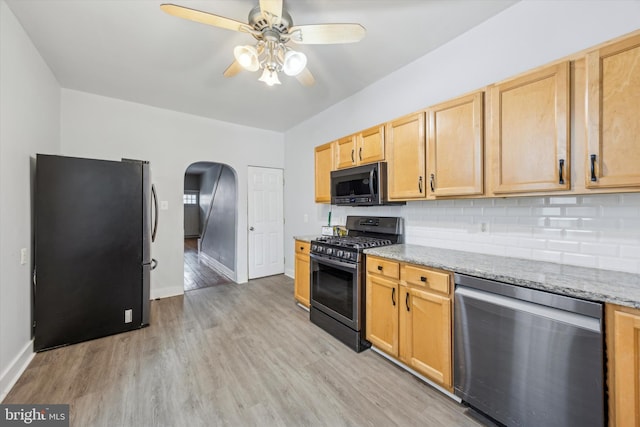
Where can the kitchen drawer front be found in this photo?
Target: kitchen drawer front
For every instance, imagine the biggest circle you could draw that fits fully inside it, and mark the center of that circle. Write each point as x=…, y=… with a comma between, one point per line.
x=438, y=281
x=390, y=269
x=302, y=247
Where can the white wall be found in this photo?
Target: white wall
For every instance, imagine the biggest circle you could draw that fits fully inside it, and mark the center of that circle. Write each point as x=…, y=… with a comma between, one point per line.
x=99, y=127
x=601, y=231
x=29, y=124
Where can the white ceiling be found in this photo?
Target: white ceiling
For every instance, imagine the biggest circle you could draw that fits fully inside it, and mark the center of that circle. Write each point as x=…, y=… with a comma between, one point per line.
x=133, y=51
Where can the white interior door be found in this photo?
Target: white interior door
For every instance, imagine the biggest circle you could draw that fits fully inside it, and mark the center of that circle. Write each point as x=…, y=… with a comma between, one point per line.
x=266, y=222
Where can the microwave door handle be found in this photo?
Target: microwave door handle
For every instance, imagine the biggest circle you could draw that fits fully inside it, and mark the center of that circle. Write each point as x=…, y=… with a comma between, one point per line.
x=371, y=176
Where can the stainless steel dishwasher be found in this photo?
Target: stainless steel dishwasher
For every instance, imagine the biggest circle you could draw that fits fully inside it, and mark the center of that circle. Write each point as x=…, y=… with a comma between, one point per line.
x=527, y=357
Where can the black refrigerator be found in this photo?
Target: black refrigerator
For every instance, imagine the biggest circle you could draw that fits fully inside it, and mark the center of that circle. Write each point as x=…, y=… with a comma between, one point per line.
x=94, y=224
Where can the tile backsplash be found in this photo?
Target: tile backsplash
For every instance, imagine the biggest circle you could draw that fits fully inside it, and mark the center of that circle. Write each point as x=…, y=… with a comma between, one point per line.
x=599, y=231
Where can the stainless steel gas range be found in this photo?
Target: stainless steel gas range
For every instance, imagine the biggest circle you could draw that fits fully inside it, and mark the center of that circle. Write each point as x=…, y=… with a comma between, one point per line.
x=338, y=276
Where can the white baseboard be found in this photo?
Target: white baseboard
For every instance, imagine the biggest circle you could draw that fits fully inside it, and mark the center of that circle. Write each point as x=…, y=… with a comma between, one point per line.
x=166, y=292
x=217, y=265
x=289, y=272
x=17, y=366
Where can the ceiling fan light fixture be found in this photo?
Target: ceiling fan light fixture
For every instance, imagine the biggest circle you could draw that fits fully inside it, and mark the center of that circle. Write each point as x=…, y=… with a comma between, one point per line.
x=294, y=62
x=247, y=56
x=270, y=77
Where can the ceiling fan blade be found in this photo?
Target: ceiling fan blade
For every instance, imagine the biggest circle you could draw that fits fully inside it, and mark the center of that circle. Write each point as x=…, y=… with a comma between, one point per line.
x=273, y=7
x=203, y=17
x=327, y=33
x=232, y=69
x=306, y=78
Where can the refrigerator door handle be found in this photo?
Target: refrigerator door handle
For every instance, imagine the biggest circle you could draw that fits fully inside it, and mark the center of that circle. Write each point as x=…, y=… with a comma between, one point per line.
x=154, y=263
x=155, y=212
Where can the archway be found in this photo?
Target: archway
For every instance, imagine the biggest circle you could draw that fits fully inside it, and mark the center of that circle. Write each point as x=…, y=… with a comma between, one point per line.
x=210, y=221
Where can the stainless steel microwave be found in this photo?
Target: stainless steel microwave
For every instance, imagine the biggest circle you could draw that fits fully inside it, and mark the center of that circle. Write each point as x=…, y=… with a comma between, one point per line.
x=364, y=185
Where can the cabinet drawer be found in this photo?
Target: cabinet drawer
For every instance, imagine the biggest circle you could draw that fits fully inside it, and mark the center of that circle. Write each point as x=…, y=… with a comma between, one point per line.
x=390, y=269
x=302, y=247
x=420, y=276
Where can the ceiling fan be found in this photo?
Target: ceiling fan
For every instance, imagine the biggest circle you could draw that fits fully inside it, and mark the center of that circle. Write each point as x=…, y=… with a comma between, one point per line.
x=272, y=27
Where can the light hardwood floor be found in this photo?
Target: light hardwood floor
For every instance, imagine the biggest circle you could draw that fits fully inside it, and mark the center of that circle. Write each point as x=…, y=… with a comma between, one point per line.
x=237, y=355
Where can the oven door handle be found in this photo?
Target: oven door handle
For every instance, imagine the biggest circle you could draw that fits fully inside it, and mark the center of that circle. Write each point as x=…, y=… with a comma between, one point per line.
x=332, y=262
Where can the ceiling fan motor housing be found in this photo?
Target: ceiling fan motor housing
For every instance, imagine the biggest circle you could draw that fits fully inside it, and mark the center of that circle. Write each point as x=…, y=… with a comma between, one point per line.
x=260, y=23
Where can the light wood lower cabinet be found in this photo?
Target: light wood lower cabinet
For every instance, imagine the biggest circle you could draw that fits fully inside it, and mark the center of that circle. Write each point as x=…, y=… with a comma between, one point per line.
x=409, y=316
x=623, y=355
x=302, y=273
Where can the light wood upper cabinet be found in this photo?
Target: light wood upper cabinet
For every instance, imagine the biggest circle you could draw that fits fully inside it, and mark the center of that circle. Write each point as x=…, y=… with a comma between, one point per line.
x=362, y=148
x=324, y=158
x=529, y=132
x=346, y=152
x=623, y=357
x=455, y=147
x=302, y=273
x=613, y=115
x=370, y=145
x=406, y=158
x=382, y=313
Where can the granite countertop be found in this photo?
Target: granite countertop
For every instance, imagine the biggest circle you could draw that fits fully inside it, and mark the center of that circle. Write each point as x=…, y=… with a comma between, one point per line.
x=581, y=282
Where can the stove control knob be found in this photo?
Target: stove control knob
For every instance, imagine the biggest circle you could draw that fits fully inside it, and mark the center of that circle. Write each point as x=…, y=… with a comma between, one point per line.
x=339, y=254
x=314, y=247
x=329, y=251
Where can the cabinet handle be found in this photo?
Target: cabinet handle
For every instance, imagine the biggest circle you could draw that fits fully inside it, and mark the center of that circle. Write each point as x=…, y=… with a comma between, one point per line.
x=393, y=296
x=406, y=302
x=379, y=268
x=423, y=279
x=420, y=184
x=561, y=172
x=593, y=168
x=360, y=153
x=432, y=183
x=301, y=247
x=353, y=159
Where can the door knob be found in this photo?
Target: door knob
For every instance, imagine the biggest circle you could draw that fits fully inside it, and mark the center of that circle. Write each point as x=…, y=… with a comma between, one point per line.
x=251, y=228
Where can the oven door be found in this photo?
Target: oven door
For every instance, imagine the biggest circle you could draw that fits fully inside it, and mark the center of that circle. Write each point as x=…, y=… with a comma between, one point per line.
x=336, y=290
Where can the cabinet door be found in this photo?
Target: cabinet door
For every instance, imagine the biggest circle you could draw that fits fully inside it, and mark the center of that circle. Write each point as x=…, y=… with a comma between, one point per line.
x=530, y=132
x=428, y=335
x=370, y=145
x=302, y=274
x=624, y=367
x=455, y=147
x=345, y=152
x=324, y=157
x=406, y=158
x=382, y=314
x=613, y=112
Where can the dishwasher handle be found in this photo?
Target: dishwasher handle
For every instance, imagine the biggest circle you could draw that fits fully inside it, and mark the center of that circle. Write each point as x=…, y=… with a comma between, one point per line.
x=575, y=319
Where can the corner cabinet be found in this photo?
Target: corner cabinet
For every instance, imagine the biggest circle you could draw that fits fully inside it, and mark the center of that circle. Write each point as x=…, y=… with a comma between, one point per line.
x=455, y=147
x=613, y=112
x=529, y=131
x=324, y=160
x=409, y=316
x=302, y=274
x=406, y=166
x=362, y=148
x=623, y=356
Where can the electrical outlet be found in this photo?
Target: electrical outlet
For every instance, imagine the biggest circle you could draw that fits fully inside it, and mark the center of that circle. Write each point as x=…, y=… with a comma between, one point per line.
x=483, y=227
x=23, y=256
x=305, y=218
x=128, y=316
